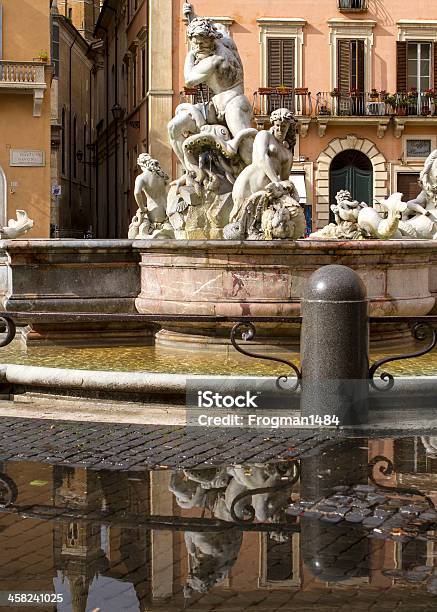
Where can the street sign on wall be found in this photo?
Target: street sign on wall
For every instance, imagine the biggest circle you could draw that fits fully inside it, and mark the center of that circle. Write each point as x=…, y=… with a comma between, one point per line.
x=24, y=157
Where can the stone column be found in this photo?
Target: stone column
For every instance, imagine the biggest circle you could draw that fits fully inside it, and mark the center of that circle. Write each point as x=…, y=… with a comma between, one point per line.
x=160, y=94
x=334, y=346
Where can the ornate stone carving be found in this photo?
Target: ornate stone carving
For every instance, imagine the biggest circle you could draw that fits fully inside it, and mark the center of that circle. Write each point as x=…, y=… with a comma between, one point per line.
x=151, y=196
x=356, y=220
x=214, y=141
x=16, y=227
x=420, y=217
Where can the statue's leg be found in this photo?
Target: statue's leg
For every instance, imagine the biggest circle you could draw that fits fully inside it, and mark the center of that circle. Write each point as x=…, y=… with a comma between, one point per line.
x=238, y=115
x=187, y=121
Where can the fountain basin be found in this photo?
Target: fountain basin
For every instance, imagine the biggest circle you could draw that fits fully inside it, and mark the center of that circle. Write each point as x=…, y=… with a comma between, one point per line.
x=267, y=278
x=73, y=276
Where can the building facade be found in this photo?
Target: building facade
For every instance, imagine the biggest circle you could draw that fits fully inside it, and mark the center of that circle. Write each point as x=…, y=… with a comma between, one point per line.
x=360, y=77
x=25, y=76
x=121, y=112
x=72, y=165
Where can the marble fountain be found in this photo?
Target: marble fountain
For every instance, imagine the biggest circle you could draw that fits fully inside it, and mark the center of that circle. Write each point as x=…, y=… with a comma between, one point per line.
x=224, y=238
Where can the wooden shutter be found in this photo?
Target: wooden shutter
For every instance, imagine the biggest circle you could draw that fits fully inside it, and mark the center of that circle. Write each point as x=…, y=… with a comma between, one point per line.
x=360, y=65
x=343, y=65
x=435, y=65
x=408, y=185
x=401, y=66
x=280, y=62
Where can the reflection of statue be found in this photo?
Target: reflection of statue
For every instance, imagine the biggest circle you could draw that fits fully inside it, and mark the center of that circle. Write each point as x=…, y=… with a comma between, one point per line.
x=430, y=444
x=213, y=554
x=420, y=218
x=150, y=196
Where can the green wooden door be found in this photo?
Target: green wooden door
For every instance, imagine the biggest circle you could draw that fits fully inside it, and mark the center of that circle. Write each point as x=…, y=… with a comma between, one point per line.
x=358, y=182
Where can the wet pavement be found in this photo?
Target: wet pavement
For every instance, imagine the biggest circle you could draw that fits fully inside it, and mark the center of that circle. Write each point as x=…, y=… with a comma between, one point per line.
x=285, y=522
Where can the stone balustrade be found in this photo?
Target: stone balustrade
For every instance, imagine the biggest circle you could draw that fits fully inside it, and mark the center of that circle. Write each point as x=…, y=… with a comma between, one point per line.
x=24, y=77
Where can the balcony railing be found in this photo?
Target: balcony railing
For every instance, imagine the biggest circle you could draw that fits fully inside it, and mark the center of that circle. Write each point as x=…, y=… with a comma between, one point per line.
x=268, y=99
x=363, y=104
x=352, y=5
x=24, y=77
x=21, y=74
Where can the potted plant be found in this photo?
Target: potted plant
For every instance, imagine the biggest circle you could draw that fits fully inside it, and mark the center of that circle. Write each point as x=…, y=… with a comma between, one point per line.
x=282, y=90
x=354, y=92
x=374, y=94
x=391, y=100
x=335, y=93
x=402, y=104
x=43, y=56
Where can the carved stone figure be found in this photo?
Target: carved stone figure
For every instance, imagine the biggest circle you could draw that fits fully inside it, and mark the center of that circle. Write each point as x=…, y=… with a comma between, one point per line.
x=420, y=218
x=214, y=61
x=16, y=227
x=151, y=197
x=272, y=160
x=356, y=221
x=266, y=203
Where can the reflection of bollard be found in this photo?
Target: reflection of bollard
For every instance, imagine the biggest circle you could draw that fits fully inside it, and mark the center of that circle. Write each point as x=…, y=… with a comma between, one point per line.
x=334, y=347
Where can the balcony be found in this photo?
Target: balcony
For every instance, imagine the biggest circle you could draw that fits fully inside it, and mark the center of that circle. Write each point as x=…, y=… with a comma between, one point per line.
x=352, y=6
x=297, y=100
x=24, y=77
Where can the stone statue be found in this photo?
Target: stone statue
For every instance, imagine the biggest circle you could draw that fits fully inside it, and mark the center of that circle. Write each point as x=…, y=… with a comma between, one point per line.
x=266, y=203
x=231, y=172
x=420, y=218
x=151, y=197
x=357, y=221
x=213, y=60
x=16, y=227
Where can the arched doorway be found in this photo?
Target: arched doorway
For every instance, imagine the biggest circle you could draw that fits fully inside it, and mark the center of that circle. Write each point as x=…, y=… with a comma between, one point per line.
x=351, y=170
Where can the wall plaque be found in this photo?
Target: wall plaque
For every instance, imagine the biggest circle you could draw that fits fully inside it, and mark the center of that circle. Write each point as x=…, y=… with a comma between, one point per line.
x=24, y=157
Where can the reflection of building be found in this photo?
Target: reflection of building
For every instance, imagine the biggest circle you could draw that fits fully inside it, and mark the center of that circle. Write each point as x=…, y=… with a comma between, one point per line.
x=25, y=76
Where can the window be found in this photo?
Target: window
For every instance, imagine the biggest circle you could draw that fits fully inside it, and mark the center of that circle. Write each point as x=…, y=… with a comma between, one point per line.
x=350, y=65
x=419, y=65
x=351, y=43
x=85, y=142
x=143, y=72
x=74, y=152
x=416, y=65
x=134, y=79
x=63, y=141
x=408, y=184
x=280, y=62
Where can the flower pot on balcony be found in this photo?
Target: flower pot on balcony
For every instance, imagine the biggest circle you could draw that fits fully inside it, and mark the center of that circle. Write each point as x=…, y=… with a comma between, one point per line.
x=401, y=111
x=284, y=91
x=265, y=91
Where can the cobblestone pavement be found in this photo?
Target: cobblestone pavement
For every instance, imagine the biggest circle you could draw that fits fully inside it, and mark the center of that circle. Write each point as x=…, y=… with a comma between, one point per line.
x=138, y=447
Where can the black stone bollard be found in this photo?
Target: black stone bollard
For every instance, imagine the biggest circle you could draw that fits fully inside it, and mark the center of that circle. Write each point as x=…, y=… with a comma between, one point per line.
x=334, y=347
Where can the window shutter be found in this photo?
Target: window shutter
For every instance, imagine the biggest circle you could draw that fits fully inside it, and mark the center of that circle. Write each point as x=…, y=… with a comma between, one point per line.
x=401, y=66
x=343, y=65
x=360, y=65
x=1, y=31
x=280, y=62
x=435, y=65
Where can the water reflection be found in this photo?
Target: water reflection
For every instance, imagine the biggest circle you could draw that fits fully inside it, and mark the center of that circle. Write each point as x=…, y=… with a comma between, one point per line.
x=358, y=516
